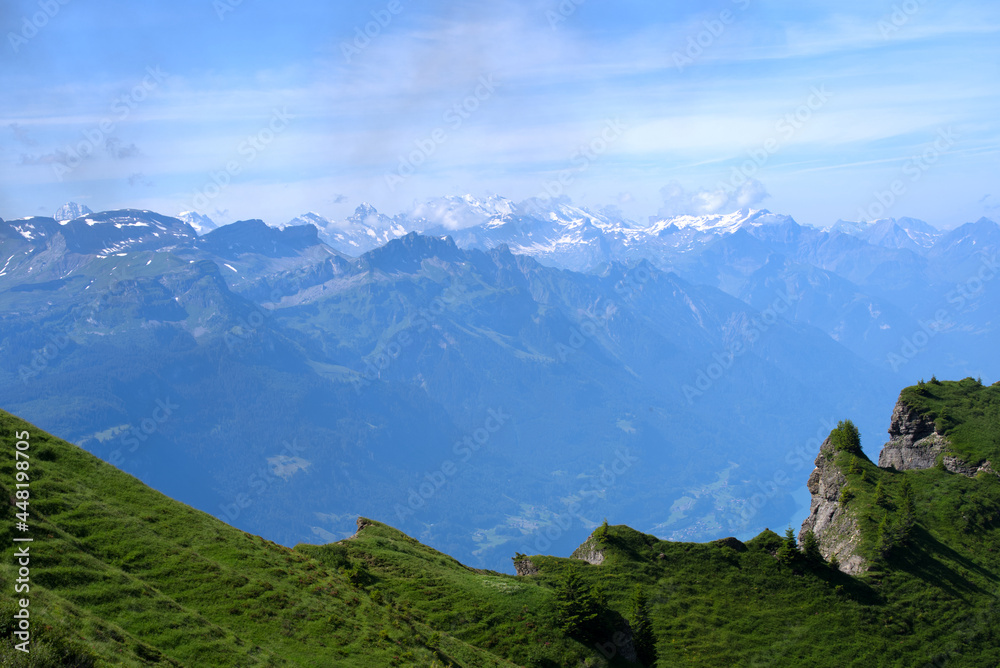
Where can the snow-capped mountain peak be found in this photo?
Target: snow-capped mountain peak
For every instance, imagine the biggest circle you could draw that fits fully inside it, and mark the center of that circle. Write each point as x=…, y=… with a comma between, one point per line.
x=368, y=216
x=455, y=212
x=852, y=227
x=309, y=218
x=910, y=233
x=201, y=224
x=364, y=230
x=717, y=223
x=71, y=211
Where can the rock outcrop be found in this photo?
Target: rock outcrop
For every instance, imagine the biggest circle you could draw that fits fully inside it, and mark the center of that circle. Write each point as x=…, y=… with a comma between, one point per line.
x=836, y=529
x=956, y=465
x=525, y=566
x=589, y=552
x=913, y=443
x=362, y=523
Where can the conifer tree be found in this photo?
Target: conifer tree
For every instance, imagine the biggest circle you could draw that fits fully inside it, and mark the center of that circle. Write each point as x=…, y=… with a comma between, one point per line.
x=789, y=548
x=642, y=629
x=577, y=605
x=880, y=496
x=906, y=492
x=846, y=437
x=601, y=532
x=810, y=547
x=886, y=538
x=906, y=511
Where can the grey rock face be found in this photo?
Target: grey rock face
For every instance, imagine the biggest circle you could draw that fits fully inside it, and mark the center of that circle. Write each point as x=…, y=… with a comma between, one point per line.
x=588, y=552
x=913, y=442
x=837, y=531
x=956, y=465
x=525, y=567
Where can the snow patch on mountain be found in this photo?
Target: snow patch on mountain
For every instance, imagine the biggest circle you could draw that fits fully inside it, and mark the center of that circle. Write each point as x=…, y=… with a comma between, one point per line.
x=721, y=223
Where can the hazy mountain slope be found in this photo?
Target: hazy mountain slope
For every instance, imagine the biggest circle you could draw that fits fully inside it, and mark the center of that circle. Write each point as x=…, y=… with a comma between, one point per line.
x=580, y=370
x=306, y=367
x=292, y=374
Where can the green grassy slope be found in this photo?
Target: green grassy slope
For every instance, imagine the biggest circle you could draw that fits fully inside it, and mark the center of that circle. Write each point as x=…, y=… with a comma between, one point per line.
x=122, y=575
x=511, y=616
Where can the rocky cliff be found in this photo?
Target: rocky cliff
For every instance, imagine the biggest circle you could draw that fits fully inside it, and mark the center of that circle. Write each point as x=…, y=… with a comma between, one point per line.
x=831, y=522
x=589, y=551
x=913, y=442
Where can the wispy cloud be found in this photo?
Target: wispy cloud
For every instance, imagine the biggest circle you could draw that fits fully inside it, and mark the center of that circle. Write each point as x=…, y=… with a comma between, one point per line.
x=139, y=179
x=117, y=150
x=21, y=135
x=677, y=200
x=353, y=120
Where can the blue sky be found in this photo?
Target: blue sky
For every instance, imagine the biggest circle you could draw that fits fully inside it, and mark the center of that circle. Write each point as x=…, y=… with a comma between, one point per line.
x=247, y=109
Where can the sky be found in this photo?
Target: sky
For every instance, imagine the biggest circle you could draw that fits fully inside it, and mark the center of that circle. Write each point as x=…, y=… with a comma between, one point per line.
x=246, y=109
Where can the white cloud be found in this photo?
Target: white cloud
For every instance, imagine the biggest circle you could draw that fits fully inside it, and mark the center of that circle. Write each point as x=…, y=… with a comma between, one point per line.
x=678, y=201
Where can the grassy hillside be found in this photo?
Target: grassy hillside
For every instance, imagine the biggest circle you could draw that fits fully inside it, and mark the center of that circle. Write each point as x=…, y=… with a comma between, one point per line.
x=122, y=575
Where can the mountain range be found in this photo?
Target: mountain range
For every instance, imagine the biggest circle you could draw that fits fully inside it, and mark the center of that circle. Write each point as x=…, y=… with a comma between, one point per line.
x=869, y=285
x=504, y=386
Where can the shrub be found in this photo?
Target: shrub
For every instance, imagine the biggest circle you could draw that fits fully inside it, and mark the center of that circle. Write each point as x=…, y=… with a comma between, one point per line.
x=358, y=574
x=601, y=533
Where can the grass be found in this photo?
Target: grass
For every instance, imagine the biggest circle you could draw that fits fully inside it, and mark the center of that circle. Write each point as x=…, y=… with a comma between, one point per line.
x=126, y=576
x=122, y=575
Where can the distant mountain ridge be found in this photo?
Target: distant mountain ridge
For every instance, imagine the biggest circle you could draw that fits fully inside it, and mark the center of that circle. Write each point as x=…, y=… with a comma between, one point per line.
x=273, y=335
x=535, y=225
x=889, y=274
x=104, y=233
